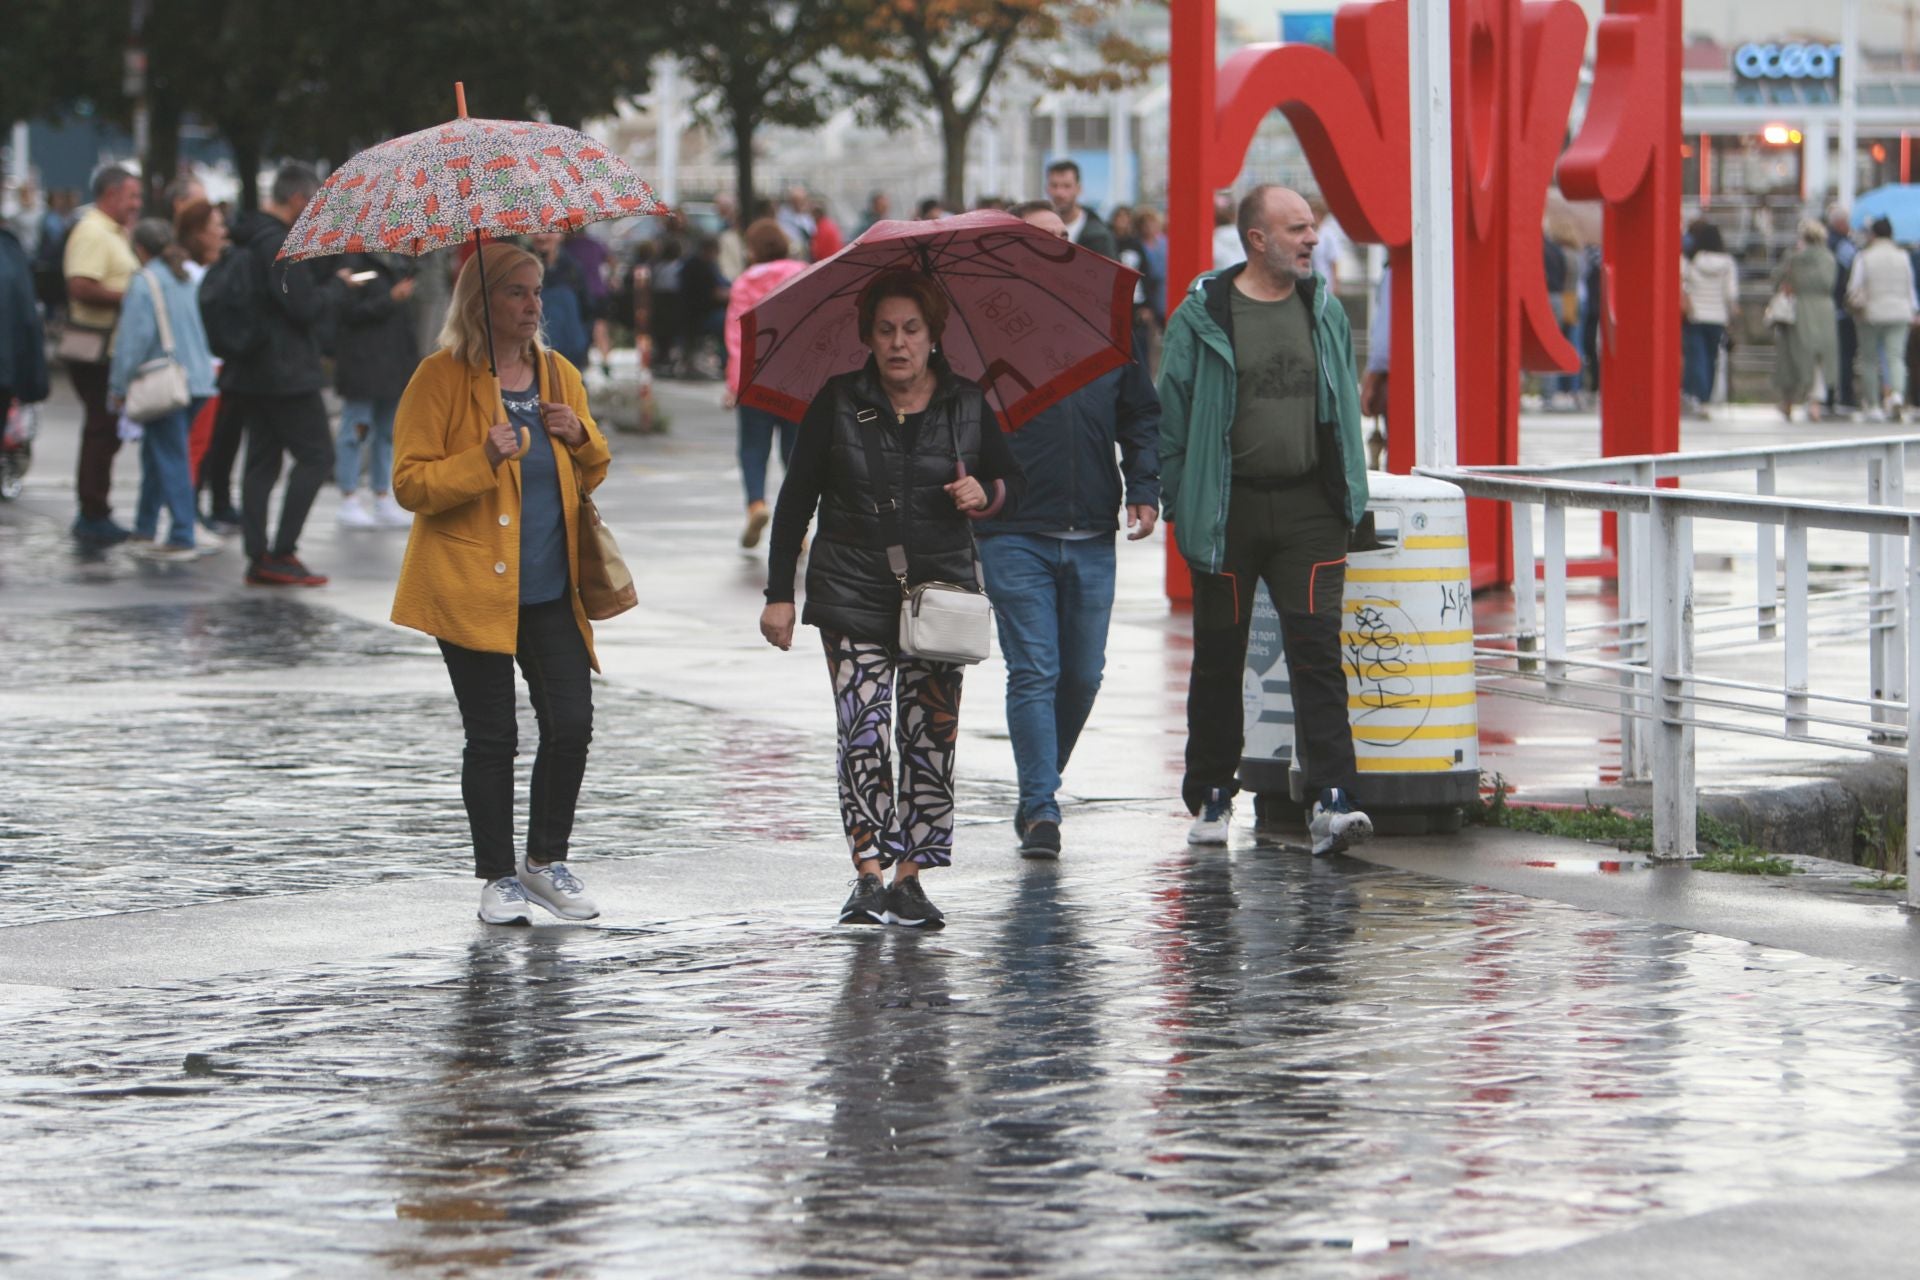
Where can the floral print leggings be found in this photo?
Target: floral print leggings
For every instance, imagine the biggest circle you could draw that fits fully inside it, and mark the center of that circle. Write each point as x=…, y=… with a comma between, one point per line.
x=916, y=823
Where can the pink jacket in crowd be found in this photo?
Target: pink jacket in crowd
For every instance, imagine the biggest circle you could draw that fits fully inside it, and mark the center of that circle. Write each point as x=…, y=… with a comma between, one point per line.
x=755, y=283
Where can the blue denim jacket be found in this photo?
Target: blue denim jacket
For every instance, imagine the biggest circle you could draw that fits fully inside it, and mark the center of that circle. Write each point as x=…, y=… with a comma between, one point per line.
x=137, y=340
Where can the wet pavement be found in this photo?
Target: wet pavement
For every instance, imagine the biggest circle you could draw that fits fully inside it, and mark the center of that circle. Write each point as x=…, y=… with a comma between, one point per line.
x=250, y=1027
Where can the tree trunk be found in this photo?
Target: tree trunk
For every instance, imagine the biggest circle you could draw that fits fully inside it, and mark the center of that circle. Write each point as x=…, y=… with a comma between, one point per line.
x=743, y=119
x=955, y=129
x=163, y=158
x=246, y=163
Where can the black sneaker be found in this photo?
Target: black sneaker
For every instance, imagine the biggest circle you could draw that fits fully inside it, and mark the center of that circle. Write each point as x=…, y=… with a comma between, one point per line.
x=1042, y=840
x=867, y=904
x=907, y=904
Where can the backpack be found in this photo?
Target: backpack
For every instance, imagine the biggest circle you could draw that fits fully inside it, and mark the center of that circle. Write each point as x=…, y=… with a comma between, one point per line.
x=233, y=299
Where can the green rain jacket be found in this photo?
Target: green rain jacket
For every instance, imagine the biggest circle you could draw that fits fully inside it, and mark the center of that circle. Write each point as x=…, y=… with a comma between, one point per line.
x=1197, y=392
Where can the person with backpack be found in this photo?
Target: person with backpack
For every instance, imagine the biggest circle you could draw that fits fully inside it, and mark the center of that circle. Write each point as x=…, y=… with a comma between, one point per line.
x=375, y=352
x=264, y=318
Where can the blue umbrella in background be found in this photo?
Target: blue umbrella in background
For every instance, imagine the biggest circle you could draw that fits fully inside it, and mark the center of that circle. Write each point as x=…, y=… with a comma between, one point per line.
x=1898, y=204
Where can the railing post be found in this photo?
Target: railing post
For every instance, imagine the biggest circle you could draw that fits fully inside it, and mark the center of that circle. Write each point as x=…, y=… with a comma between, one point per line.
x=1670, y=657
x=1556, y=558
x=1766, y=567
x=1639, y=540
x=1525, y=614
x=1796, y=646
x=1913, y=711
x=1630, y=543
x=1886, y=632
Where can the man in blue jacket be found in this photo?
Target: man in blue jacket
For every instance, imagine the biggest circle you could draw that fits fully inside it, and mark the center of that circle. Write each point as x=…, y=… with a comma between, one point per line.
x=1050, y=565
x=1266, y=478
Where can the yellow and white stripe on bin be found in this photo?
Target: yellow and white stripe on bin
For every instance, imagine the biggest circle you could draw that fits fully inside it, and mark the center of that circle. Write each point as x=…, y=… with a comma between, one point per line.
x=1406, y=643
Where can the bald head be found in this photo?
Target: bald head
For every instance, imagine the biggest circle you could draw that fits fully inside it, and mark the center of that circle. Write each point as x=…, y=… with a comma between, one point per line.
x=1277, y=231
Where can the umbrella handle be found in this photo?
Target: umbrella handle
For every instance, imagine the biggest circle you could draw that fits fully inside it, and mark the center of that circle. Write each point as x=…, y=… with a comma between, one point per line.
x=999, y=494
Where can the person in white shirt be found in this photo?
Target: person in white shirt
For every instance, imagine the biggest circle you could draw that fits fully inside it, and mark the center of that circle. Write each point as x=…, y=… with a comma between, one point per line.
x=1880, y=294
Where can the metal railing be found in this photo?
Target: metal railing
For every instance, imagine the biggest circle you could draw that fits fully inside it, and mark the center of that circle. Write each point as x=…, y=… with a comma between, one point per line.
x=1642, y=663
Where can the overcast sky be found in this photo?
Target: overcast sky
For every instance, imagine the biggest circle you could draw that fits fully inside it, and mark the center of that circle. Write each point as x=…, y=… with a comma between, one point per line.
x=1732, y=21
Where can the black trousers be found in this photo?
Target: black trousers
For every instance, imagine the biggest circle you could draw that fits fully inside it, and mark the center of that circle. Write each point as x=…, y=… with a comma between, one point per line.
x=553, y=657
x=216, y=464
x=99, y=440
x=1293, y=540
x=276, y=426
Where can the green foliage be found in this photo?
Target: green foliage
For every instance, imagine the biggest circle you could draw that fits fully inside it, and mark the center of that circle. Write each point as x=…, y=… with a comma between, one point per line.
x=1721, y=847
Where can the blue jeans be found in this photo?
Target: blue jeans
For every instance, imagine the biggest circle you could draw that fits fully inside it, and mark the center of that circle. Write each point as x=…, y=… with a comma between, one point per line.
x=1052, y=598
x=375, y=418
x=757, y=427
x=166, y=478
x=1701, y=357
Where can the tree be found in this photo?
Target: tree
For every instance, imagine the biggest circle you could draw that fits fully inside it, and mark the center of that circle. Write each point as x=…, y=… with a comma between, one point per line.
x=947, y=54
x=757, y=61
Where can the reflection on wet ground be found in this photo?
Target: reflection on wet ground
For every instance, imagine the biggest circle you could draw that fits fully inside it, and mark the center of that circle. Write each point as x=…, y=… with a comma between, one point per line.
x=1212, y=1065
x=218, y=784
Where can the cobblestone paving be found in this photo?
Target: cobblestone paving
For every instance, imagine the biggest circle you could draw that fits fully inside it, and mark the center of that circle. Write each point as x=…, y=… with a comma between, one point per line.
x=1211, y=1066
x=207, y=775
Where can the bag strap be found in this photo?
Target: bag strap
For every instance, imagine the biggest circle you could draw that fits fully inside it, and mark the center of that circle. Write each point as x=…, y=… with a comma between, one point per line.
x=959, y=473
x=579, y=481
x=885, y=505
x=160, y=312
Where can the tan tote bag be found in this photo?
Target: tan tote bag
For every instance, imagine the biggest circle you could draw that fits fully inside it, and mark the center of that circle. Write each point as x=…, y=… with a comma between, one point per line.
x=606, y=584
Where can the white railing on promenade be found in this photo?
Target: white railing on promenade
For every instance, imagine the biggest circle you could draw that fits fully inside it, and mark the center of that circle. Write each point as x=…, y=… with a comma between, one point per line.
x=1651, y=679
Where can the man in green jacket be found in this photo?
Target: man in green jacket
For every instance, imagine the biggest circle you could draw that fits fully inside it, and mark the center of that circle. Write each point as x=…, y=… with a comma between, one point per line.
x=1264, y=477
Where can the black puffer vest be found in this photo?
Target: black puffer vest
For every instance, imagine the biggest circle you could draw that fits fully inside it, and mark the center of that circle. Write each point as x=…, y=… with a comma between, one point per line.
x=850, y=590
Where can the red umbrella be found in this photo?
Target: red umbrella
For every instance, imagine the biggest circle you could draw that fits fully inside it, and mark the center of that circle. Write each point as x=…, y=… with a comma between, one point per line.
x=1035, y=317
x=435, y=188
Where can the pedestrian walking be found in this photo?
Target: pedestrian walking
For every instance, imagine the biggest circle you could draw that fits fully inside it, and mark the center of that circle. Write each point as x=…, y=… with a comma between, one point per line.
x=1083, y=225
x=1050, y=565
x=269, y=316
x=703, y=302
x=879, y=209
x=201, y=229
x=23, y=340
x=666, y=308
x=733, y=244
x=1710, y=301
x=375, y=353
x=795, y=216
x=160, y=319
x=772, y=267
x=904, y=435
x=828, y=239
x=1880, y=295
x=566, y=300
x=493, y=470
x=1263, y=474
x=1806, y=342
x=1840, y=392
x=98, y=264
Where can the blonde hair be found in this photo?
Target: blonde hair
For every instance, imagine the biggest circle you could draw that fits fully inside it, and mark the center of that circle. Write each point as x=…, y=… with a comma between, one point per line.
x=1812, y=232
x=465, y=331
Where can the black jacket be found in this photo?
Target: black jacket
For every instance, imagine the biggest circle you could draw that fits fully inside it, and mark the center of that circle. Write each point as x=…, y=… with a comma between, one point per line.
x=1097, y=235
x=375, y=350
x=850, y=589
x=1067, y=455
x=300, y=297
x=23, y=343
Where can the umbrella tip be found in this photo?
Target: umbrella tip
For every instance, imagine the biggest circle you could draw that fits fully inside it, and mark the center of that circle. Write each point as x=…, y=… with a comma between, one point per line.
x=460, y=97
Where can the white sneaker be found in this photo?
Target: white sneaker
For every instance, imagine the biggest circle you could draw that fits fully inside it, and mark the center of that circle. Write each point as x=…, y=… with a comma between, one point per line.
x=1216, y=816
x=503, y=901
x=164, y=552
x=558, y=890
x=1335, y=825
x=391, y=514
x=207, y=544
x=356, y=513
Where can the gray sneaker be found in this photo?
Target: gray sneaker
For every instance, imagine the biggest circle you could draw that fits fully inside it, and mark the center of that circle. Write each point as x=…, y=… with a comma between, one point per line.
x=556, y=888
x=503, y=901
x=1335, y=825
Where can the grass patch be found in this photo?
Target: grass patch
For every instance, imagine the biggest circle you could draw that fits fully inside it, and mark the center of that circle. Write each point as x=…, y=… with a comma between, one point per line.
x=1895, y=884
x=1720, y=846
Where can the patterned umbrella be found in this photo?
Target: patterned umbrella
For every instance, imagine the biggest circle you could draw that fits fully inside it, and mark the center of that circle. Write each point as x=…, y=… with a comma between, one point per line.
x=1034, y=317
x=467, y=178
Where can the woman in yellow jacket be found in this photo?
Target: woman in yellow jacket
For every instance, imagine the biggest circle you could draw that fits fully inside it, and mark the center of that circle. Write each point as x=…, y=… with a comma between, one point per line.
x=491, y=566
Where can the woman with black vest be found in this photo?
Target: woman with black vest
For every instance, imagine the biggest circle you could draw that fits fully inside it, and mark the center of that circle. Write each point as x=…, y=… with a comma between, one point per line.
x=942, y=453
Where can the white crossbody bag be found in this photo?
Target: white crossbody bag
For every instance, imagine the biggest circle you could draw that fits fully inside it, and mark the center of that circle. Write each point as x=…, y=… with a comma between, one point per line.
x=939, y=621
x=159, y=386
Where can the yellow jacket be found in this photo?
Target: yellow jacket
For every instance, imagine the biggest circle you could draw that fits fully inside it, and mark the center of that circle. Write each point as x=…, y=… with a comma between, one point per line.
x=460, y=580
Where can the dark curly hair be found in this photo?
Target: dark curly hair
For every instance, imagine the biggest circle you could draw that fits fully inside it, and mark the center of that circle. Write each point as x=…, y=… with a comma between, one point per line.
x=902, y=282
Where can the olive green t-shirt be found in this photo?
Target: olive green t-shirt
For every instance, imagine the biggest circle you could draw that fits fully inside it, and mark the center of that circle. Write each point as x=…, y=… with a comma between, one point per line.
x=1274, y=429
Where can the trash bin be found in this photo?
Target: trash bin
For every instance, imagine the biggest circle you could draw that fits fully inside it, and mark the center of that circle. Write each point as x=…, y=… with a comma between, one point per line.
x=1406, y=640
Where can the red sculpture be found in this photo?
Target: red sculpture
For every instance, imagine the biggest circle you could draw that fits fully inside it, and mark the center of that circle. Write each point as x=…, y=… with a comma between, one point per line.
x=1516, y=66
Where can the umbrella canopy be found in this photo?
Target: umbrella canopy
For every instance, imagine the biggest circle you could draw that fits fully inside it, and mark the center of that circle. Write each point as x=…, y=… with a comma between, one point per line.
x=1898, y=204
x=1035, y=317
x=435, y=188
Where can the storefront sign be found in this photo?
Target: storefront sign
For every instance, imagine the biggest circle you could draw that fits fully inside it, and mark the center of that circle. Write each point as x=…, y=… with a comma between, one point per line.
x=1787, y=61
